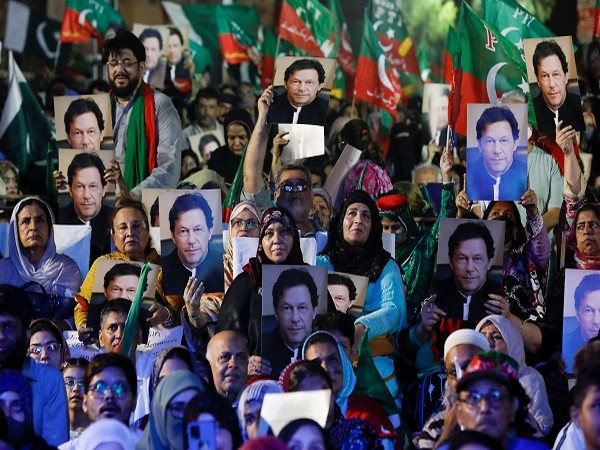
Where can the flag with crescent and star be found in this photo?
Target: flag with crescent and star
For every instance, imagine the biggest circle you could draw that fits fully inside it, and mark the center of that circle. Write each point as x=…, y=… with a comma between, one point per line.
x=487, y=65
x=310, y=26
x=382, y=90
x=24, y=129
x=31, y=33
x=513, y=21
x=238, y=31
x=87, y=19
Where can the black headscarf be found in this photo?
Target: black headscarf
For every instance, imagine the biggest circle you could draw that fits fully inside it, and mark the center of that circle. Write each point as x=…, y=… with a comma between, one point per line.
x=271, y=215
x=366, y=260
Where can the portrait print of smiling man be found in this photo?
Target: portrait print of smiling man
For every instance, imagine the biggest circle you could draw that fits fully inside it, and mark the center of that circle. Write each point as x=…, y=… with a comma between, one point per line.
x=496, y=152
x=301, y=101
x=550, y=66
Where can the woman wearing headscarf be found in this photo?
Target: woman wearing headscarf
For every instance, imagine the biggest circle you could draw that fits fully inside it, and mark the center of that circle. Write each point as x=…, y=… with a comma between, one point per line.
x=166, y=416
x=18, y=410
x=243, y=222
x=250, y=404
x=33, y=255
x=354, y=246
x=241, y=311
x=213, y=406
x=504, y=337
x=107, y=432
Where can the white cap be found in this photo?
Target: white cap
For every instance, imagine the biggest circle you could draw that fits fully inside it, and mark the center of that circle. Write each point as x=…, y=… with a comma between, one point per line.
x=466, y=336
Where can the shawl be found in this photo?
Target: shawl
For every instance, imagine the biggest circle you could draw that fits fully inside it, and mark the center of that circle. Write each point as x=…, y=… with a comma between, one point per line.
x=255, y=392
x=106, y=431
x=367, y=260
x=58, y=273
x=375, y=182
x=254, y=266
x=228, y=256
x=161, y=426
x=349, y=379
x=141, y=138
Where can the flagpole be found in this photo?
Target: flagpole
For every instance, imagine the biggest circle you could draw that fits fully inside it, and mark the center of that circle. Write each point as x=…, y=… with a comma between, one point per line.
x=277, y=46
x=353, y=102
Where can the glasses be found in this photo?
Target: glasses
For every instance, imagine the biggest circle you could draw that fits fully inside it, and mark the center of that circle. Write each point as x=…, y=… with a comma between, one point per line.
x=494, y=398
x=247, y=224
x=70, y=383
x=126, y=64
x=50, y=348
x=118, y=389
x=176, y=409
x=297, y=186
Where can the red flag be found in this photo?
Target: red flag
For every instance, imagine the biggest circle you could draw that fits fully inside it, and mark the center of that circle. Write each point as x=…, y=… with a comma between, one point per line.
x=382, y=90
x=448, y=57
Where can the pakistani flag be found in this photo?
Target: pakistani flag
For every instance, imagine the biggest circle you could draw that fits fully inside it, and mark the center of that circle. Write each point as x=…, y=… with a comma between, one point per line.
x=31, y=33
x=486, y=66
x=87, y=19
x=201, y=24
x=24, y=130
x=513, y=21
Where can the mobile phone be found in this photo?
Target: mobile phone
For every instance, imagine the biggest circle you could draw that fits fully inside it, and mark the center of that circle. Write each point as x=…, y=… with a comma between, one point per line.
x=202, y=434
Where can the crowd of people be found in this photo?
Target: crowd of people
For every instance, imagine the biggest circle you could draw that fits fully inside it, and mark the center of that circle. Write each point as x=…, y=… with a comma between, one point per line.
x=494, y=337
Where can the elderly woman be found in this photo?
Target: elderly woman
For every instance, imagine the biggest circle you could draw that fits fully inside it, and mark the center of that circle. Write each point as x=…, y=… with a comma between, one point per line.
x=131, y=233
x=354, y=246
x=33, y=254
x=243, y=222
x=166, y=417
x=504, y=337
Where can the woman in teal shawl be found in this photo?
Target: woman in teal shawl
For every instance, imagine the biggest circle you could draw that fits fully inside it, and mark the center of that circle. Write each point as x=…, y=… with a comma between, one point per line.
x=166, y=417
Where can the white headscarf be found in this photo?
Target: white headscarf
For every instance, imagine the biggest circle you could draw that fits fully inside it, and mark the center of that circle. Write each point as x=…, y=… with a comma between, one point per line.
x=106, y=431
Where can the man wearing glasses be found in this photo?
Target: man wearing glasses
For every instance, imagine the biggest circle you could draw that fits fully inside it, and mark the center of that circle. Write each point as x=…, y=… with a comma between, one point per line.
x=191, y=223
x=110, y=385
x=147, y=126
x=50, y=418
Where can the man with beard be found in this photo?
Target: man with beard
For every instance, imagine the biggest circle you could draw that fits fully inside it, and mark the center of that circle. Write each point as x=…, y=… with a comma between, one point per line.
x=48, y=393
x=110, y=384
x=227, y=353
x=205, y=117
x=147, y=127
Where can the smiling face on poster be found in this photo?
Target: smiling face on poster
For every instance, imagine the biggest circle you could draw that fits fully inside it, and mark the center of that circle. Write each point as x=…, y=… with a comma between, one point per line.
x=552, y=75
x=191, y=239
x=496, y=152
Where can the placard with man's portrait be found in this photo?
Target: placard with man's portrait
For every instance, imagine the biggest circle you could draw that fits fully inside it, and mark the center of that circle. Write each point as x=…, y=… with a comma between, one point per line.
x=83, y=120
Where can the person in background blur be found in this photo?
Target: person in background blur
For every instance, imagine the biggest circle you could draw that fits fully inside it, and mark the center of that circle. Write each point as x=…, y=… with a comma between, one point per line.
x=73, y=370
x=10, y=176
x=46, y=344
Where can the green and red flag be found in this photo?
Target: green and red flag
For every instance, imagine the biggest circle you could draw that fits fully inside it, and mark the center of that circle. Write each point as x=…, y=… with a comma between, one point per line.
x=487, y=65
x=24, y=129
x=309, y=26
x=345, y=56
x=87, y=19
x=425, y=64
x=382, y=90
x=513, y=21
x=270, y=49
x=449, y=54
x=597, y=20
x=201, y=22
x=238, y=31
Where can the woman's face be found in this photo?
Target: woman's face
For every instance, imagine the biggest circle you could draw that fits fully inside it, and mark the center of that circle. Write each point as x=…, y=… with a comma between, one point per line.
x=494, y=337
x=10, y=180
x=188, y=163
x=307, y=437
x=252, y=417
x=245, y=224
x=504, y=210
x=48, y=347
x=130, y=233
x=12, y=406
x=34, y=228
x=587, y=233
x=171, y=365
x=356, y=225
x=277, y=242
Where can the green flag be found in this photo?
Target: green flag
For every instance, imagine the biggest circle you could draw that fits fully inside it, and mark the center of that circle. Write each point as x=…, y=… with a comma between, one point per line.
x=131, y=323
x=487, y=65
x=233, y=194
x=238, y=31
x=87, y=19
x=24, y=129
x=513, y=21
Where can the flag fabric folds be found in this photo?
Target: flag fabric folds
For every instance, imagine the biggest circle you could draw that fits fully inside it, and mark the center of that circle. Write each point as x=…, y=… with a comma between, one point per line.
x=87, y=19
x=238, y=30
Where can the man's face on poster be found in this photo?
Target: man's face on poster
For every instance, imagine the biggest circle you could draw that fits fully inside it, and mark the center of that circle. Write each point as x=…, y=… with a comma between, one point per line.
x=295, y=314
x=174, y=49
x=588, y=315
x=438, y=112
x=191, y=236
x=341, y=297
x=84, y=132
x=552, y=81
x=302, y=87
x=87, y=192
x=153, y=52
x=470, y=265
x=497, y=147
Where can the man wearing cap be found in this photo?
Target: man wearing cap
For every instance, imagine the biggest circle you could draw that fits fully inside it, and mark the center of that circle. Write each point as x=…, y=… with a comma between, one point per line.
x=226, y=159
x=460, y=347
x=490, y=399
